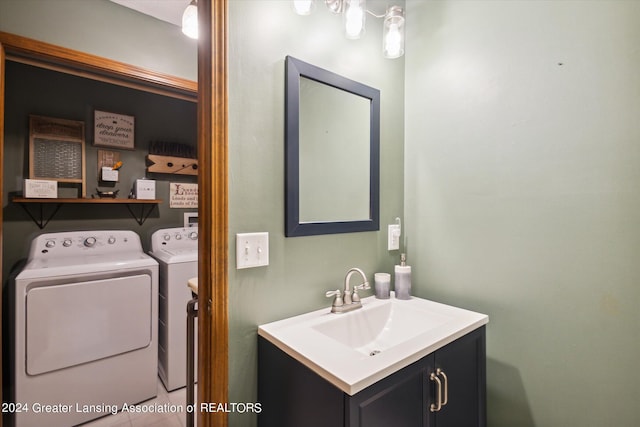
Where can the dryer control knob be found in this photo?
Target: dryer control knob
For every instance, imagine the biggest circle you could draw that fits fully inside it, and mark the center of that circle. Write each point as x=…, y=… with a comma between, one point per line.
x=89, y=241
x=111, y=240
x=178, y=236
x=166, y=237
x=50, y=243
x=66, y=243
x=193, y=235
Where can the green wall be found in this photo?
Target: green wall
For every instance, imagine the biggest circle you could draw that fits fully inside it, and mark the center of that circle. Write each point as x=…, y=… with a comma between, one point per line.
x=522, y=196
x=301, y=269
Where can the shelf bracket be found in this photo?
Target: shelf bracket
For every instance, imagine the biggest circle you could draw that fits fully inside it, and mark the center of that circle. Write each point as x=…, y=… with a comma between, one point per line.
x=142, y=217
x=41, y=222
x=37, y=214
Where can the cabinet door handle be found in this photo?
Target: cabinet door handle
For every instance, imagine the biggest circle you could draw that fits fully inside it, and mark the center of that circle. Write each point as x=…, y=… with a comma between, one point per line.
x=446, y=385
x=434, y=407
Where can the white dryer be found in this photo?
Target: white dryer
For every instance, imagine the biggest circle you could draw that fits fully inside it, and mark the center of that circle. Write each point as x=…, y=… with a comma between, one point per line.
x=85, y=310
x=176, y=250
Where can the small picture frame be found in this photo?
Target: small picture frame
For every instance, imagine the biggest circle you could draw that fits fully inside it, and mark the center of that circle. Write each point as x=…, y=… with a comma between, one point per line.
x=113, y=130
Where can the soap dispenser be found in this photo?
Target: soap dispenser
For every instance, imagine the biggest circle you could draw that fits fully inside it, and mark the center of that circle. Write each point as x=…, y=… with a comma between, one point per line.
x=402, y=279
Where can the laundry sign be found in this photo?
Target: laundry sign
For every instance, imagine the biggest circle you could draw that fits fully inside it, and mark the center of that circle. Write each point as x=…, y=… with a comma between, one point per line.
x=113, y=130
x=183, y=195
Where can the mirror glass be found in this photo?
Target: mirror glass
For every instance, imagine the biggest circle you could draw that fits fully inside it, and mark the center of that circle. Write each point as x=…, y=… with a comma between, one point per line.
x=332, y=152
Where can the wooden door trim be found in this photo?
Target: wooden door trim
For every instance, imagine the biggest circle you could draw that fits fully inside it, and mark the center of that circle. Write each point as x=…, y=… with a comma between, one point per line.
x=211, y=95
x=46, y=55
x=213, y=220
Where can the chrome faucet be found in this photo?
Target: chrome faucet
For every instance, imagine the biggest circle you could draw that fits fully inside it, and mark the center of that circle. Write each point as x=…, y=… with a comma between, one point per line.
x=350, y=300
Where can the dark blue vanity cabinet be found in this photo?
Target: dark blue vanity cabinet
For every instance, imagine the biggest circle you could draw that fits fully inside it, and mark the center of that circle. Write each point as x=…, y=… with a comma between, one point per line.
x=444, y=389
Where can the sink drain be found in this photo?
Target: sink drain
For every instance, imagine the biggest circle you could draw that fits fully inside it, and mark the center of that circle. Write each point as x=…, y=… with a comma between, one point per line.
x=374, y=352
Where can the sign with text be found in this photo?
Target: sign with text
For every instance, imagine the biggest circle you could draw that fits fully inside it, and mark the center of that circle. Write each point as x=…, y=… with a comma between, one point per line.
x=183, y=195
x=113, y=130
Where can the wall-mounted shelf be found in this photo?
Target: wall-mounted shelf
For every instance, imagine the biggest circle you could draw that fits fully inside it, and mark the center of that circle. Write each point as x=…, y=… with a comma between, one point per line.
x=146, y=207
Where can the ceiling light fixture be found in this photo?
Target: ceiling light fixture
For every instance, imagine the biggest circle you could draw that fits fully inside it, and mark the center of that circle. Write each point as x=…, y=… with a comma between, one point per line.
x=354, y=19
x=190, y=20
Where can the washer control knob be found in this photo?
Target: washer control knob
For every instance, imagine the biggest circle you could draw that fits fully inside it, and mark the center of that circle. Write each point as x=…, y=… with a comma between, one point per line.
x=50, y=243
x=66, y=243
x=89, y=241
x=166, y=237
x=178, y=236
x=111, y=240
x=193, y=235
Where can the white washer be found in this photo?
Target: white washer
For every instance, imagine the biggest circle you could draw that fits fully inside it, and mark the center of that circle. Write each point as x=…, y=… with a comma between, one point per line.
x=176, y=250
x=85, y=327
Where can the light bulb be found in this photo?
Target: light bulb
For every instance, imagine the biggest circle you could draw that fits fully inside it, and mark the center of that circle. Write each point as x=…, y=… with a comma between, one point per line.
x=190, y=20
x=393, y=42
x=393, y=33
x=354, y=18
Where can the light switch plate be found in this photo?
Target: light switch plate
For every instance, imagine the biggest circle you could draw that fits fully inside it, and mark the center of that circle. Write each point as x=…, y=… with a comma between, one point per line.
x=252, y=250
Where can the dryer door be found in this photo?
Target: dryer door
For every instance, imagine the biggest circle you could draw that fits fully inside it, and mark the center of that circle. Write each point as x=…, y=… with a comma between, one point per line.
x=81, y=322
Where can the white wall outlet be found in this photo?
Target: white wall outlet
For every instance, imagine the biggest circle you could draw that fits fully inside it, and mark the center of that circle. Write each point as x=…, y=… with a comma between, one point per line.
x=393, y=241
x=252, y=250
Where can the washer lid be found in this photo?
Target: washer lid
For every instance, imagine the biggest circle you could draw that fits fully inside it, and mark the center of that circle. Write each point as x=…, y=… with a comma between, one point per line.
x=175, y=256
x=86, y=264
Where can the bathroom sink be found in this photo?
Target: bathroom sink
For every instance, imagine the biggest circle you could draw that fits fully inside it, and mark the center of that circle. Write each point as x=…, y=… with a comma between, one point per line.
x=356, y=349
x=381, y=327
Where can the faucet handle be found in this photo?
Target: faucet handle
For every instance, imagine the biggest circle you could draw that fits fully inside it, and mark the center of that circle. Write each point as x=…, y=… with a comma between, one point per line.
x=355, y=297
x=337, y=302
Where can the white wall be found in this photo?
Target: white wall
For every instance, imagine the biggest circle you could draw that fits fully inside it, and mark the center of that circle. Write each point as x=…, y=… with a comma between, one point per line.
x=522, y=196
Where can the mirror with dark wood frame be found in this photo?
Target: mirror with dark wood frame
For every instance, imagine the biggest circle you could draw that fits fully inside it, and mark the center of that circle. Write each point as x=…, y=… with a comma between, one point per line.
x=332, y=150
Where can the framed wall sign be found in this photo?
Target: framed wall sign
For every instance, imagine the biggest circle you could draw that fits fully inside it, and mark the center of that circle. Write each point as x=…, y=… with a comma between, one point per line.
x=113, y=130
x=183, y=195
